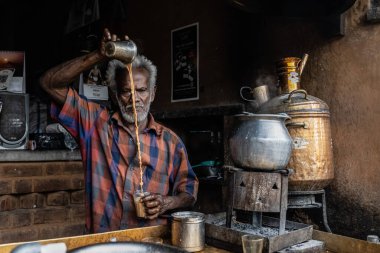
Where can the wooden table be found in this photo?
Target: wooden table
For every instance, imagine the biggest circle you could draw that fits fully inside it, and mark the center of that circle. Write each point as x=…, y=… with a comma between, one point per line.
x=334, y=243
x=343, y=244
x=136, y=234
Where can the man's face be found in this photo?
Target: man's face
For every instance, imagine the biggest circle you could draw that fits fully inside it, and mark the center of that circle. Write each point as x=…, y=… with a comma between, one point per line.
x=143, y=94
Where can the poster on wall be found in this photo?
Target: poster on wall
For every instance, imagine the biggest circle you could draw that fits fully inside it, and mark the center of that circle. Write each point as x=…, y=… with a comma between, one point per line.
x=12, y=71
x=93, y=84
x=185, y=63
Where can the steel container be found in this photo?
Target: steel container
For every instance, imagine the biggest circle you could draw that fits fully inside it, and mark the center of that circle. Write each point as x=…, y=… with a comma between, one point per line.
x=260, y=141
x=188, y=230
x=309, y=127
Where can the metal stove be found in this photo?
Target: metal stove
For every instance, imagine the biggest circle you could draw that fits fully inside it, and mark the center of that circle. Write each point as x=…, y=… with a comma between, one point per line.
x=253, y=192
x=307, y=199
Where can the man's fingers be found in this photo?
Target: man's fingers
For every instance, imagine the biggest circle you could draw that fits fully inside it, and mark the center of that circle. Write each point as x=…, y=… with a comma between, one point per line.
x=151, y=217
x=151, y=204
x=106, y=34
x=152, y=211
x=149, y=198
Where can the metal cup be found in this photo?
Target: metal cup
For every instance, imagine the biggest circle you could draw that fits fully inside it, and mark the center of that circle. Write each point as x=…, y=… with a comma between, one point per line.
x=373, y=239
x=260, y=94
x=124, y=51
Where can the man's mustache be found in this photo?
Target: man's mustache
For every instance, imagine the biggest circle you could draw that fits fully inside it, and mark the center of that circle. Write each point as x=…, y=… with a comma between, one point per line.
x=128, y=107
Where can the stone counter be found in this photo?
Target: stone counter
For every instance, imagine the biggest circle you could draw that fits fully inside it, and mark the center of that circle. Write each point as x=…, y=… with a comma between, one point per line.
x=39, y=155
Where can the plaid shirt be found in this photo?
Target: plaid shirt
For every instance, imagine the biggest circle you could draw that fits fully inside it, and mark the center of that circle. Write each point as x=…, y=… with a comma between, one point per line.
x=112, y=169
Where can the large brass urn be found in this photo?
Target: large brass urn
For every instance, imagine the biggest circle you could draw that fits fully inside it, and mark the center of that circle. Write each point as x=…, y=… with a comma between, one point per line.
x=309, y=127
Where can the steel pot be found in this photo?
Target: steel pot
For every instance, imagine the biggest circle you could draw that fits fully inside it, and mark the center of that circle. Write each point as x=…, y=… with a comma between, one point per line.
x=309, y=127
x=260, y=141
x=188, y=230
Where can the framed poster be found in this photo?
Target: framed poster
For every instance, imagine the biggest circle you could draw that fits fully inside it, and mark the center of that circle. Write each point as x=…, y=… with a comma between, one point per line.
x=92, y=83
x=185, y=63
x=12, y=71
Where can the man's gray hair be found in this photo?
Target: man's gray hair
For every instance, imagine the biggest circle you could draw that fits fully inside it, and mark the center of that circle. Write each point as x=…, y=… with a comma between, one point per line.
x=140, y=61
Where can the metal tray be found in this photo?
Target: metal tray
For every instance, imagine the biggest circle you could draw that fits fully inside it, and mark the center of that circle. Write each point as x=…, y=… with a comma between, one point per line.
x=218, y=235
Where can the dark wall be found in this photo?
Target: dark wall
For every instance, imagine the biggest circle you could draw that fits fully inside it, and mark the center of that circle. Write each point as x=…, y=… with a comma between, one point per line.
x=227, y=46
x=39, y=28
x=36, y=27
x=342, y=71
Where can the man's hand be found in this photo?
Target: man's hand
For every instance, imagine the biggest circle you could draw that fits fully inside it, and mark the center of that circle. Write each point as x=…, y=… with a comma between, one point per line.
x=107, y=36
x=55, y=80
x=156, y=204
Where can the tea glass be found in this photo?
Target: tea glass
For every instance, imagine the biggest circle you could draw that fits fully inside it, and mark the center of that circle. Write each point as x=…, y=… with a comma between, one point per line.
x=140, y=207
x=252, y=244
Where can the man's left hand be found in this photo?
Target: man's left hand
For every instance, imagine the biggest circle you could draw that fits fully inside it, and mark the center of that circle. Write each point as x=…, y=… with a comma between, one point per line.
x=155, y=205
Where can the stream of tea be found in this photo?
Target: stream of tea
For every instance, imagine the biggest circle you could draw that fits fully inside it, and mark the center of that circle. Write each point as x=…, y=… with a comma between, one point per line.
x=129, y=67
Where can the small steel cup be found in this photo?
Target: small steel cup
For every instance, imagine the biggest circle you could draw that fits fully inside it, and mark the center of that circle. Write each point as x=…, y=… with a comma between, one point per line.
x=140, y=207
x=124, y=51
x=259, y=93
x=373, y=239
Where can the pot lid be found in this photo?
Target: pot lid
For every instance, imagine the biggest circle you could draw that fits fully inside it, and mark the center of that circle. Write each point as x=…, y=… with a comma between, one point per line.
x=297, y=101
x=188, y=216
x=250, y=116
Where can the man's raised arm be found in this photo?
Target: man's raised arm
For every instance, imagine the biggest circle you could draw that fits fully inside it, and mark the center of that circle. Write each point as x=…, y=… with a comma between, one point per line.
x=55, y=81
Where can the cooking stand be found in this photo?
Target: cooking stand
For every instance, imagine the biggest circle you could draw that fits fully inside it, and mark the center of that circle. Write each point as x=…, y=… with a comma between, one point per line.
x=252, y=192
x=306, y=199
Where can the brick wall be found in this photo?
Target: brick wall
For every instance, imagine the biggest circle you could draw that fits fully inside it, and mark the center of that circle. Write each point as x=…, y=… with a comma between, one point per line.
x=41, y=200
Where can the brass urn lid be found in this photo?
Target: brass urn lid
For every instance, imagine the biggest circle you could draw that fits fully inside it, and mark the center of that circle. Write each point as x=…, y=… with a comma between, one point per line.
x=295, y=102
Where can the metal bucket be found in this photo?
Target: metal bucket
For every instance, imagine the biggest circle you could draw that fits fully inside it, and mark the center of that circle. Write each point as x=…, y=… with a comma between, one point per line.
x=188, y=230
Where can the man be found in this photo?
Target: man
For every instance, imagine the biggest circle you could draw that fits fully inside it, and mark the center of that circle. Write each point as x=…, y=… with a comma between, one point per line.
x=109, y=149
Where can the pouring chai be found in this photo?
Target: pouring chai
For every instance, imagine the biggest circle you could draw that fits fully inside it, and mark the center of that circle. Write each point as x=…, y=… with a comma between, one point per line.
x=140, y=209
